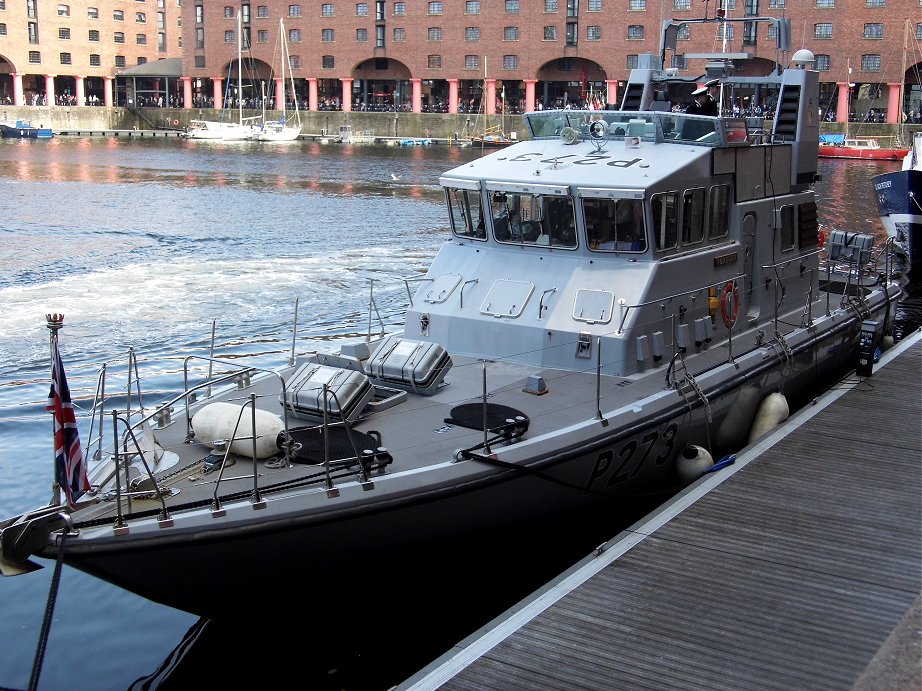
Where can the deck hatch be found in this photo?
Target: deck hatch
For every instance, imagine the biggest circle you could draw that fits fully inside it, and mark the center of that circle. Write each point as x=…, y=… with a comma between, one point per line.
x=441, y=288
x=593, y=306
x=507, y=298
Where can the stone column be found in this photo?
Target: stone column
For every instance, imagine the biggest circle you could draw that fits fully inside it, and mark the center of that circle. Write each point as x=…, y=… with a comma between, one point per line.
x=894, y=107
x=218, y=91
x=49, y=89
x=452, y=95
x=530, y=94
x=107, y=91
x=417, y=85
x=347, y=94
x=842, y=106
x=312, y=93
x=81, y=91
x=186, y=91
x=279, y=93
x=490, y=105
x=611, y=91
x=18, y=97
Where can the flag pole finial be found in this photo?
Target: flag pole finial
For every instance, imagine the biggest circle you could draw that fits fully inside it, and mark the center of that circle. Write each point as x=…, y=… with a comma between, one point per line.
x=54, y=321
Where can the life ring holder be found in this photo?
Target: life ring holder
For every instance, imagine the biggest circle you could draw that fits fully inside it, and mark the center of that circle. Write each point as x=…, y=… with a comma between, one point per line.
x=175, y=123
x=730, y=304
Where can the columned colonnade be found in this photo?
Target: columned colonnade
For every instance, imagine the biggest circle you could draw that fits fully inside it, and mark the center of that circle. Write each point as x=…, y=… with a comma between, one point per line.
x=19, y=98
x=894, y=108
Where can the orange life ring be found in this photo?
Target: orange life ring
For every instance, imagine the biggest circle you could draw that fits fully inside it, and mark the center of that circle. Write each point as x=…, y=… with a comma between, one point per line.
x=175, y=123
x=822, y=239
x=729, y=304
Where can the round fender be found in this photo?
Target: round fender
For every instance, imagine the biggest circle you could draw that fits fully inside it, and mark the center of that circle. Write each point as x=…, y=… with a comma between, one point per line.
x=729, y=304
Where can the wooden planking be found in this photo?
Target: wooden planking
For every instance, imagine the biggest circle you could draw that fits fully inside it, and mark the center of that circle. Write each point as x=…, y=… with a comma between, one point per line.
x=789, y=574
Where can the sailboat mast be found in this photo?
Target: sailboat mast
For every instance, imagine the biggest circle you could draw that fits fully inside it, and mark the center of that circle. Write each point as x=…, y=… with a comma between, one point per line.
x=239, y=69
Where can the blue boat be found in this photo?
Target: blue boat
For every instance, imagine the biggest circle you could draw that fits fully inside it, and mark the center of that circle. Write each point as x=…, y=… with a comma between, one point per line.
x=23, y=129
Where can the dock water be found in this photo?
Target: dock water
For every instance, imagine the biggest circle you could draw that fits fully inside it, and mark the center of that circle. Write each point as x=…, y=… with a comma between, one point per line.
x=797, y=567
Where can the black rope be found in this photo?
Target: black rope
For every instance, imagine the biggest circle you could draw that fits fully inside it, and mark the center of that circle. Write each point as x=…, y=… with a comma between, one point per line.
x=46, y=622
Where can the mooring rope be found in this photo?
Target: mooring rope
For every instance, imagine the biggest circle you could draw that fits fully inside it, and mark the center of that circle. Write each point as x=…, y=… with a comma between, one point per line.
x=46, y=621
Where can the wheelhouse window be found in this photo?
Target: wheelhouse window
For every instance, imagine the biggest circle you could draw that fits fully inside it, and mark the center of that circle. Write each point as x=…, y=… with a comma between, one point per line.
x=615, y=225
x=693, y=208
x=466, y=213
x=533, y=219
x=718, y=212
x=665, y=221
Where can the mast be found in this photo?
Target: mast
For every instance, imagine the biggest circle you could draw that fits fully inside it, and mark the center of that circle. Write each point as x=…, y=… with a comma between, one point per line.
x=239, y=69
x=284, y=39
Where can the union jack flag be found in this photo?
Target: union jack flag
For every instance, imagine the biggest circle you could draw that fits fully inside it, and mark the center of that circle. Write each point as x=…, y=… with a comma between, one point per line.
x=69, y=466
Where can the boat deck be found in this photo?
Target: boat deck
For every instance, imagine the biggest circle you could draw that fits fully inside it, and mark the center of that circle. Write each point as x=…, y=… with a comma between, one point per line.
x=799, y=566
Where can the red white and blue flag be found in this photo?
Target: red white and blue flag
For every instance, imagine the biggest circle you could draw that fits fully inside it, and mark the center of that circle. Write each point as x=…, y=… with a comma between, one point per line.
x=69, y=467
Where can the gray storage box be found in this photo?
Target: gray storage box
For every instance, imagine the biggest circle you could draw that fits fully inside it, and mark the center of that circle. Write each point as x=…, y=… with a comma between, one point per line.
x=304, y=392
x=403, y=363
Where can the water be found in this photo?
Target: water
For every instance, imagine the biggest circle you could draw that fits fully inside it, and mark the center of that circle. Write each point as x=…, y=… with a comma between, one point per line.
x=143, y=243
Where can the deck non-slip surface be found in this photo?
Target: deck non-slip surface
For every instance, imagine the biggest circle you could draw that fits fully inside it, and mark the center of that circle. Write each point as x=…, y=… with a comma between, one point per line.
x=789, y=572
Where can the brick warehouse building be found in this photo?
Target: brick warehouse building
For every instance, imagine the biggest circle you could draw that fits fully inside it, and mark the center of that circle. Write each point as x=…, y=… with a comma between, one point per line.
x=442, y=56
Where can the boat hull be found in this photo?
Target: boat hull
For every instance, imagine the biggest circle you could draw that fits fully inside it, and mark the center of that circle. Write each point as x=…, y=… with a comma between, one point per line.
x=859, y=153
x=899, y=202
x=21, y=131
x=314, y=547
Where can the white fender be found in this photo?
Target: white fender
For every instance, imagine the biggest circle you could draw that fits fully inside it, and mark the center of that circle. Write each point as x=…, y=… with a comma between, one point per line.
x=692, y=463
x=215, y=423
x=731, y=435
x=773, y=411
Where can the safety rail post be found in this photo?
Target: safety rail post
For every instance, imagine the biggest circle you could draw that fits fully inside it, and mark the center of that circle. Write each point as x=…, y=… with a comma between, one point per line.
x=486, y=436
x=598, y=384
x=366, y=483
x=99, y=403
x=129, y=431
x=119, y=519
x=294, y=334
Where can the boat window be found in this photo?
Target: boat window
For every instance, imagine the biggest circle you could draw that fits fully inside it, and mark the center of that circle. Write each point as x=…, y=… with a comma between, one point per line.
x=466, y=213
x=665, y=220
x=718, y=212
x=786, y=231
x=693, y=205
x=615, y=225
x=533, y=219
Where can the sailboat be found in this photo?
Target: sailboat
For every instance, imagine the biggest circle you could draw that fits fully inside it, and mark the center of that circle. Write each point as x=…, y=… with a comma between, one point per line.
x=493, y=137
x=864, y=148
x=225, y=130
x=283, y=129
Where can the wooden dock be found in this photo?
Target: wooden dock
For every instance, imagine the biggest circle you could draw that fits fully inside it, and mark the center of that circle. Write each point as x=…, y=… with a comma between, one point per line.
x=797, y=567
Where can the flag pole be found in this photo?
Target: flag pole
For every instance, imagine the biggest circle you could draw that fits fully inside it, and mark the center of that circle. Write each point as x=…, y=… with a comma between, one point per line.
x=54, y=322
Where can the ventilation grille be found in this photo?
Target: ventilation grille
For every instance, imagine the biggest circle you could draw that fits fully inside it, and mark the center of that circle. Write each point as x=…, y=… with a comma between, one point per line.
x=788, y=113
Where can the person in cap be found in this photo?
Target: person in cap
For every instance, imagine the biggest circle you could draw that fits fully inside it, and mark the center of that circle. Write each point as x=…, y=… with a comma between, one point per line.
x=713, y=91
x=699, y=104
